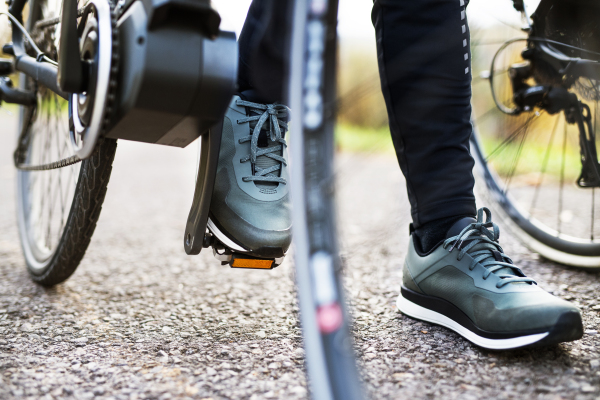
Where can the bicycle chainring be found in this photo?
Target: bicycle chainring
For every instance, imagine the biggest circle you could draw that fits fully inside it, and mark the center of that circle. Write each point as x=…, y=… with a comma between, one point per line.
x=91, y=112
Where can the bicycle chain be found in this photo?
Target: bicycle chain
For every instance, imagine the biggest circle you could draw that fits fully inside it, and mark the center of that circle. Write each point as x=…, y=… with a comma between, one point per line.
x=110, y=98
x=65, y=162
x=46, y=23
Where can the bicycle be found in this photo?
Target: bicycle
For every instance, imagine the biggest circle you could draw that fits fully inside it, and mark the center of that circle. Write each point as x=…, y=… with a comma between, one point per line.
x=163, y=72
x=536, y=128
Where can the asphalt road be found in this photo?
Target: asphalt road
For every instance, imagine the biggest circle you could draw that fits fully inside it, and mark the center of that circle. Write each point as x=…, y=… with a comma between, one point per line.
x=142, y=320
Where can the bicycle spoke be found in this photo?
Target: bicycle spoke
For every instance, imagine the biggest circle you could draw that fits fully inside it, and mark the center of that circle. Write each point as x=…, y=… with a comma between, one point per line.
x=512, y=136
x=486, y=114
x=594, y=189
x=544, y=165
x=593, y=202
x=490, y=43
x=60, y=182
x=516, y=161
x=562, y=180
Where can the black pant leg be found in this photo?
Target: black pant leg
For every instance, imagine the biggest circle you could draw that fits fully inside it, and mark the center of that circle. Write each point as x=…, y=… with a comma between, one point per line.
x=262, y=50
x=424, y=63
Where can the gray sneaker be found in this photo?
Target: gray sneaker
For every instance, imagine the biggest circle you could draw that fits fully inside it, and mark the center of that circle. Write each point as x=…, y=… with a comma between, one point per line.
x=250, y=207
x=469, y=285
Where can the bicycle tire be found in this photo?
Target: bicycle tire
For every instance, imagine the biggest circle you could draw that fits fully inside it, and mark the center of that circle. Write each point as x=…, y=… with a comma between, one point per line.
x=325, y=321
x=53, y=258
x=518, y=209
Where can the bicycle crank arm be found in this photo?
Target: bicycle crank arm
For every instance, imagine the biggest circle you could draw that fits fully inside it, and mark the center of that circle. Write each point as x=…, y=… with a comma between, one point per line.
x=195, y=228
x=70, y=67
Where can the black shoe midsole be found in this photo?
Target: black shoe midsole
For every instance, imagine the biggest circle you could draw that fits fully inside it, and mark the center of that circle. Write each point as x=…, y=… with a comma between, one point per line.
x=449, y=310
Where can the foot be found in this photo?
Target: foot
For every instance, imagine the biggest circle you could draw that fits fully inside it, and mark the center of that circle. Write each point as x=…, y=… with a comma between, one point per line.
x=469, y=285
x=250, y=208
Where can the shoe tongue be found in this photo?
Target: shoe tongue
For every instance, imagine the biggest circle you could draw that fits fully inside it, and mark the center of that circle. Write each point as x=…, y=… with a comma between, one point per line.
x=264, y=141
x=265, y=162
x=459, y=226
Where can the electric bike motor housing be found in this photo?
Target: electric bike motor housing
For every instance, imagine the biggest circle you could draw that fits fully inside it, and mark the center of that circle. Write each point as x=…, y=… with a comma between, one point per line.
x=177, y=71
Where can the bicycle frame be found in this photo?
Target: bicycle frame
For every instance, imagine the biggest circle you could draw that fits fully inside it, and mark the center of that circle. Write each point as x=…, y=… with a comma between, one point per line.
x=565, y=65
x=43, y=72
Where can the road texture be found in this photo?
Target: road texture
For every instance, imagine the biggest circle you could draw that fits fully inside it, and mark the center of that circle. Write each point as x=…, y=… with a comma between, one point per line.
x=142, y=320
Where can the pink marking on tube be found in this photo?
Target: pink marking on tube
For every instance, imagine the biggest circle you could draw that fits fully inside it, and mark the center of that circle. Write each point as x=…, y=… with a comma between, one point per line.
x=329, y=318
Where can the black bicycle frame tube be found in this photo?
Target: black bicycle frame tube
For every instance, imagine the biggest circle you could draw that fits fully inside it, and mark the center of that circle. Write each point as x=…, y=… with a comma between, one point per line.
x=565, y=65
x=42, y=72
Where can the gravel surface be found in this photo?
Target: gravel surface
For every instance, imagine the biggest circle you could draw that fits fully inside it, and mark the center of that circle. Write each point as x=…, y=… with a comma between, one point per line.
x=142, y=320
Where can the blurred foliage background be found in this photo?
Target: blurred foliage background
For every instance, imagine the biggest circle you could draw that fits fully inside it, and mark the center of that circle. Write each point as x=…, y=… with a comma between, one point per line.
x=362, y=116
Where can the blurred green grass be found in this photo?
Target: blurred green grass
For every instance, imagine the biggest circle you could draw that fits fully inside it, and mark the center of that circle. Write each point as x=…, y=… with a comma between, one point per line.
x=531, y=159
x=358, y=139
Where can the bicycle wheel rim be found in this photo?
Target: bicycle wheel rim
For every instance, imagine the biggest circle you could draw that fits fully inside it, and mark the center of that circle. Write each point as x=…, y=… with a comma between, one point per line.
x=45, y=198
x=330, y=360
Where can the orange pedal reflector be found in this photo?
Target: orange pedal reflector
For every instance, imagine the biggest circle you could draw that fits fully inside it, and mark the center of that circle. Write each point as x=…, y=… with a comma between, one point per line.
x=252, y=263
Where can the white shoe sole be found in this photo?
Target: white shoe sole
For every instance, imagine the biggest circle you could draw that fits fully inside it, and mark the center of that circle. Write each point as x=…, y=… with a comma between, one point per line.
x=223, y=238
x=416, y=311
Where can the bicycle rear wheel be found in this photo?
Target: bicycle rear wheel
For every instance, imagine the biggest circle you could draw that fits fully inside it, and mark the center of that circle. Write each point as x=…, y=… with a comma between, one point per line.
x=325, y=322
x=57, y=208
x=528, y=164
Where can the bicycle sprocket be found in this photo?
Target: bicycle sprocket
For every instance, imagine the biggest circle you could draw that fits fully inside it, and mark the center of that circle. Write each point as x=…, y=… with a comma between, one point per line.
x=91, y=112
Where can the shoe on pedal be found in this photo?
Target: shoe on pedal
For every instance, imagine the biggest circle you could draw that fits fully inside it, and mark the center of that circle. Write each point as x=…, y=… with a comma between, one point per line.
x=469, y=285
x=250, y=208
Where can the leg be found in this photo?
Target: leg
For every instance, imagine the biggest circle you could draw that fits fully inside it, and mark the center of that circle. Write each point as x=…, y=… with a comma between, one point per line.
x=424, y=62
x=425, y=74
x=250, y=211
x=262, y=45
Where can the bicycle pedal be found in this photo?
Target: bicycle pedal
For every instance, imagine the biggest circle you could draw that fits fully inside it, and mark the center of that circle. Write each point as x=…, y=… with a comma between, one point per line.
x=236, y=259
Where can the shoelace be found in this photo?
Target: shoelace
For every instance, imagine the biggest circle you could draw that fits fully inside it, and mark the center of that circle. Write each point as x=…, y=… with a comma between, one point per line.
x=277, y=114
x=488, y=252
